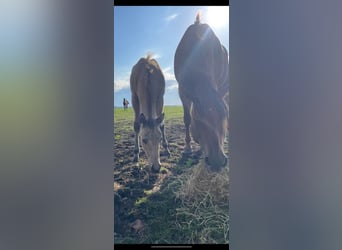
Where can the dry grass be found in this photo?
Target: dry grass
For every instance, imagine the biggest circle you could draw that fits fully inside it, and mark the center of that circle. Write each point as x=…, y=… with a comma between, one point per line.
x=191, y=208
x=200, y=183
x=204, y=205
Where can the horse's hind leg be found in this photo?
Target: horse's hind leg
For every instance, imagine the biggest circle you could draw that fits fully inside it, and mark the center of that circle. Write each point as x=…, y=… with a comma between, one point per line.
x=135, y=104
x=165, y=144
x=187, y=120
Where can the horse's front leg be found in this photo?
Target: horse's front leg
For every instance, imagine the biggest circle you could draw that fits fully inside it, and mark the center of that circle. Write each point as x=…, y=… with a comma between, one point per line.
x=136, y=143
x=165, y=144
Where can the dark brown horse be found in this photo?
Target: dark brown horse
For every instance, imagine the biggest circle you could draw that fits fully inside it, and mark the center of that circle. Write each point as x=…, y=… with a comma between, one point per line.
x=147, y=87
x=201, y=69
x=125, y=103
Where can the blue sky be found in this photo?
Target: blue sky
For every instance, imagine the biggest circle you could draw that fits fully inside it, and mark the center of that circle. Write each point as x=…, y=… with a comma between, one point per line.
x=158, y=30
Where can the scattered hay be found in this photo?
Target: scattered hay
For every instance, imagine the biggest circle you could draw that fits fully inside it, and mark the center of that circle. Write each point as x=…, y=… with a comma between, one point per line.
x=204, y=205
x=192, y=208
x=201, y=183
x=117, y=186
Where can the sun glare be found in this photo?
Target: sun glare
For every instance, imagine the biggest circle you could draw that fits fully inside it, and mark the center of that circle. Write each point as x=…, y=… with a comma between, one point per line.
x=218, y=16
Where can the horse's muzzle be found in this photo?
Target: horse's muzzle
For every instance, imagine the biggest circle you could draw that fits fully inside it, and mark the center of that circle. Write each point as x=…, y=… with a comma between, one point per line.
x=216, y=167
x=155, y=168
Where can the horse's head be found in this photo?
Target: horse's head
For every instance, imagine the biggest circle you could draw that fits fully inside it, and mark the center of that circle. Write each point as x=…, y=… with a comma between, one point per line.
x=151, y=135
x=208, y=127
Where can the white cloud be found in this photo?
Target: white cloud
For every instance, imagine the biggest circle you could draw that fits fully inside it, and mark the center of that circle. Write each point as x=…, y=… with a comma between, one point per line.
x=171, y=17
x=121, y=78
x=156, y=56
x=171, y=84
x=168, y=74
x=120, y=84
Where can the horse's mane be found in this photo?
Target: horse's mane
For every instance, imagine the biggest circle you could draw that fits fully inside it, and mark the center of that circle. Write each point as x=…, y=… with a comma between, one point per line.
x=151, y=61
x=198, y=17
x=148, y=56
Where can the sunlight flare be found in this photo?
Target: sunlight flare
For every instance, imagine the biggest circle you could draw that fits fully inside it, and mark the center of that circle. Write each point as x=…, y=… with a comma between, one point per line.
x=218, y=16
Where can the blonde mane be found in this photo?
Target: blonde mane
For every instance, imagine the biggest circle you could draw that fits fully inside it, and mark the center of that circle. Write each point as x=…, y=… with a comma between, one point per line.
x=198, y=17
x=149, y=56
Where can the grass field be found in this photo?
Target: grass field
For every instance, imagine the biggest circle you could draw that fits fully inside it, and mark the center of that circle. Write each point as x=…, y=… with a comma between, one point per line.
x=183, y=204
x=171, y=112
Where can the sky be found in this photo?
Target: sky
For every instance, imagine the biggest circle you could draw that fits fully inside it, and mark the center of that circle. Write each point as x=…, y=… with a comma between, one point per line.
x=139, y=30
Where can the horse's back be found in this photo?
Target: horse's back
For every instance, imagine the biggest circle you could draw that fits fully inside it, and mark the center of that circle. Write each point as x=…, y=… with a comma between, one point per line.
x=148, y=85
x=200, y=55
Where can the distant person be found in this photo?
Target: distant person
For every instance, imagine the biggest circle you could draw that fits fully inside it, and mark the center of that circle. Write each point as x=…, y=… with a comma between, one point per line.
x=125, y=103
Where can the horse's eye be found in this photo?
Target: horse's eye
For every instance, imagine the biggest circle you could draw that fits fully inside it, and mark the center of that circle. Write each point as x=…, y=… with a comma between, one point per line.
x=145, y=141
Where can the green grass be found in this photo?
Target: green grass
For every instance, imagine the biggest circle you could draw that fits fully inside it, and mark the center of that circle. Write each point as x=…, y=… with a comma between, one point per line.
x=163, y=170
x=148, y=192
x=141, y=201
x=121, y=115
x=171, y=112
x=123, y=119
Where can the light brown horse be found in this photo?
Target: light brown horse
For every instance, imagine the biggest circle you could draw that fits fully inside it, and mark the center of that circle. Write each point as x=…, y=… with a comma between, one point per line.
x=201, y=69
x=147, y=84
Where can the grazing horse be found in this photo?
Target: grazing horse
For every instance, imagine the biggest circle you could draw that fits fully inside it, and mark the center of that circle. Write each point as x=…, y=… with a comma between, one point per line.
x=201, y=69
x=147, y=84
x=125, y=103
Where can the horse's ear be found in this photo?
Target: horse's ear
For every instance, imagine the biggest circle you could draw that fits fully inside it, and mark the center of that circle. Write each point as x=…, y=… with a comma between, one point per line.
x=160, y=119
x=142, y=118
